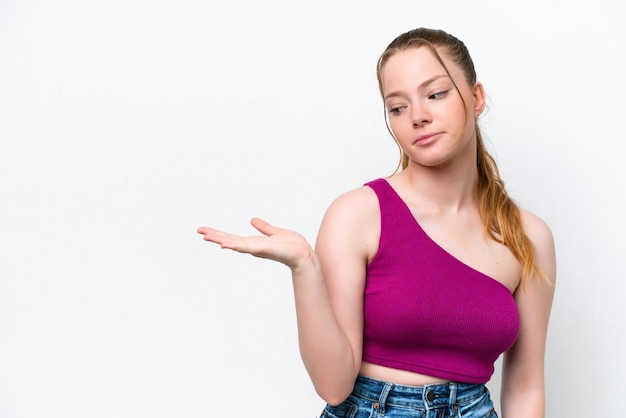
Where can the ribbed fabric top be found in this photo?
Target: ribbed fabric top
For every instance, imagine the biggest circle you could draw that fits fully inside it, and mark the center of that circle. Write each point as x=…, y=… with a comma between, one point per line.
x=427, y=312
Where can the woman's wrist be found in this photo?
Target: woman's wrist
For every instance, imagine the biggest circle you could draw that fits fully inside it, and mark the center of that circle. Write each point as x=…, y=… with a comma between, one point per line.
x=306, y=264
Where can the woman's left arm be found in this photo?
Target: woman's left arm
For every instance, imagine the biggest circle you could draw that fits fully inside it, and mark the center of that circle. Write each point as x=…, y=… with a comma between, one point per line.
x=522, y=391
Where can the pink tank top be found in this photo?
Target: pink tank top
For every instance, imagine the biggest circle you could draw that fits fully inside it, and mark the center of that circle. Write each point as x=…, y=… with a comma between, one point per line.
x=427, y=312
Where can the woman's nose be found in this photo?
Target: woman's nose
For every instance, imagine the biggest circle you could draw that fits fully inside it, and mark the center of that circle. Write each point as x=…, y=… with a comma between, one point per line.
x=420, y=116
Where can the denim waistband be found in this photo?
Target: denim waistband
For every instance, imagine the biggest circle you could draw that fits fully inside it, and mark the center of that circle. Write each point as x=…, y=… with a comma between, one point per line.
x=426, y=397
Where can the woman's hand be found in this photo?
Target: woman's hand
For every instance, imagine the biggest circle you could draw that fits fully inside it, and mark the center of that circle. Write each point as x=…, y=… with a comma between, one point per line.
x=282, y=245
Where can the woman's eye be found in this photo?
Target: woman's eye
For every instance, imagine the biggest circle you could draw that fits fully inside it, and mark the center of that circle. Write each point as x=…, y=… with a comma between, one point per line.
x=395, y=110
x=438, y=95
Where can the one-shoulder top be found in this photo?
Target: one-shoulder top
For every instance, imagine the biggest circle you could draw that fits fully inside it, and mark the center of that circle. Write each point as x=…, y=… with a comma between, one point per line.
x=427, y=312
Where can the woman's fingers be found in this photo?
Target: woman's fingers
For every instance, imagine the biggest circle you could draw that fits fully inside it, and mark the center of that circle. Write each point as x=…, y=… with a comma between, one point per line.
x=263, y=227
x=226, y=240
x=221, y=237
x=256, y=245
x=214, y=235
x=283, y=245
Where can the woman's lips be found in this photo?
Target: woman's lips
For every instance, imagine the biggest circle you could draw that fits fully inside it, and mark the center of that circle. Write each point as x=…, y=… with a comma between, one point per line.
x=427, y=138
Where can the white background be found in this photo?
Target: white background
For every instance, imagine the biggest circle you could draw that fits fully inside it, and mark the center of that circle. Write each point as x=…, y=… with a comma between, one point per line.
x=126, y=124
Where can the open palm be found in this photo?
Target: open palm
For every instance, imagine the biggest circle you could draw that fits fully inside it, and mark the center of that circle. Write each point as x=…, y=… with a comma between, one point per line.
x=282, y=245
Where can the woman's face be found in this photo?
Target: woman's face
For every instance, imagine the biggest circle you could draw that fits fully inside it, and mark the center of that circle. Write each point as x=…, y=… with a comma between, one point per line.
x=425, y=111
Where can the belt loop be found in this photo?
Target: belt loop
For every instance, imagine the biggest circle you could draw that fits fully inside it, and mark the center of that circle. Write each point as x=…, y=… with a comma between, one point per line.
x=382, y=399
x=452, y=399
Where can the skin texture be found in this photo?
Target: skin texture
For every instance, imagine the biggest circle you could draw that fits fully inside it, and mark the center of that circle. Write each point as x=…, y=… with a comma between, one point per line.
x=436, y=130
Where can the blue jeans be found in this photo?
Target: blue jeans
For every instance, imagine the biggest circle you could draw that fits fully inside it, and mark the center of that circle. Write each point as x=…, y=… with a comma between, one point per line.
x=373, y=398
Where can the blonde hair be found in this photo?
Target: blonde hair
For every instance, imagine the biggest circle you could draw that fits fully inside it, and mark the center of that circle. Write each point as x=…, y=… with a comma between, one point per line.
x=499, y=213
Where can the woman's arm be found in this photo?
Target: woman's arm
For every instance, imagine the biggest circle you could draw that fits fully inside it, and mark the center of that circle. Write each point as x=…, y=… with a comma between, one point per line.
x=523, y=393
x=328, y=285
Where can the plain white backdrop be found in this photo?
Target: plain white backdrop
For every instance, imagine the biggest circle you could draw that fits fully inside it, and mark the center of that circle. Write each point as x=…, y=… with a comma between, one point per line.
x=125, y=125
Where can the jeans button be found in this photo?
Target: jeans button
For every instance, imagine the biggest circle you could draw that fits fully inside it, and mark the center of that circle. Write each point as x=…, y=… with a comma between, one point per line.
x=430, y=396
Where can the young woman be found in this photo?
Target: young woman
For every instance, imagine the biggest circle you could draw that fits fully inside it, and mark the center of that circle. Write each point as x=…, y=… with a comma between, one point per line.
x=419, y=281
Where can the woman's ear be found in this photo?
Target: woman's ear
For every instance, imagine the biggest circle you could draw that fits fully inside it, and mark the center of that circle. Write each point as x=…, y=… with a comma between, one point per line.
x=479, y=99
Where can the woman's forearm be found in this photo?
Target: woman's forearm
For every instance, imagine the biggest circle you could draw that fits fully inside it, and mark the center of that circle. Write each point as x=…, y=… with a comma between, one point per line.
x=523, y=404
x=324, y=346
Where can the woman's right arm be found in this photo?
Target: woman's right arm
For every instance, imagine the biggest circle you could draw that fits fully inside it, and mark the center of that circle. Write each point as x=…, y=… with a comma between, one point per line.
x=328, y=285
x=329, y=305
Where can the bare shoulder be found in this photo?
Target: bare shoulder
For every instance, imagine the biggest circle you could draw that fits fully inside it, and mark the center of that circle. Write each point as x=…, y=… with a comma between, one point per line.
x=542, y=239
x=362, y=198
x=536, y=229
x=352, y=221
x=352, y=208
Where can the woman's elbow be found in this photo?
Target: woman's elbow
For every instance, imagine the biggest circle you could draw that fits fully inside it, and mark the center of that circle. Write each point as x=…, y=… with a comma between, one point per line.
x=334, y=395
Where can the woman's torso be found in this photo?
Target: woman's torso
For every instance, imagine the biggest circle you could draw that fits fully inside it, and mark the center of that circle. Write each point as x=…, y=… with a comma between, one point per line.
x=458, y=231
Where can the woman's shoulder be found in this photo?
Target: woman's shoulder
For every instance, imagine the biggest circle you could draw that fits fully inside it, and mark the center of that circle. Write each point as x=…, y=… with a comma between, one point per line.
x=534, y=226
x=361, y=198
x=352, y=221
x=539, y=233
x=353, y=209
